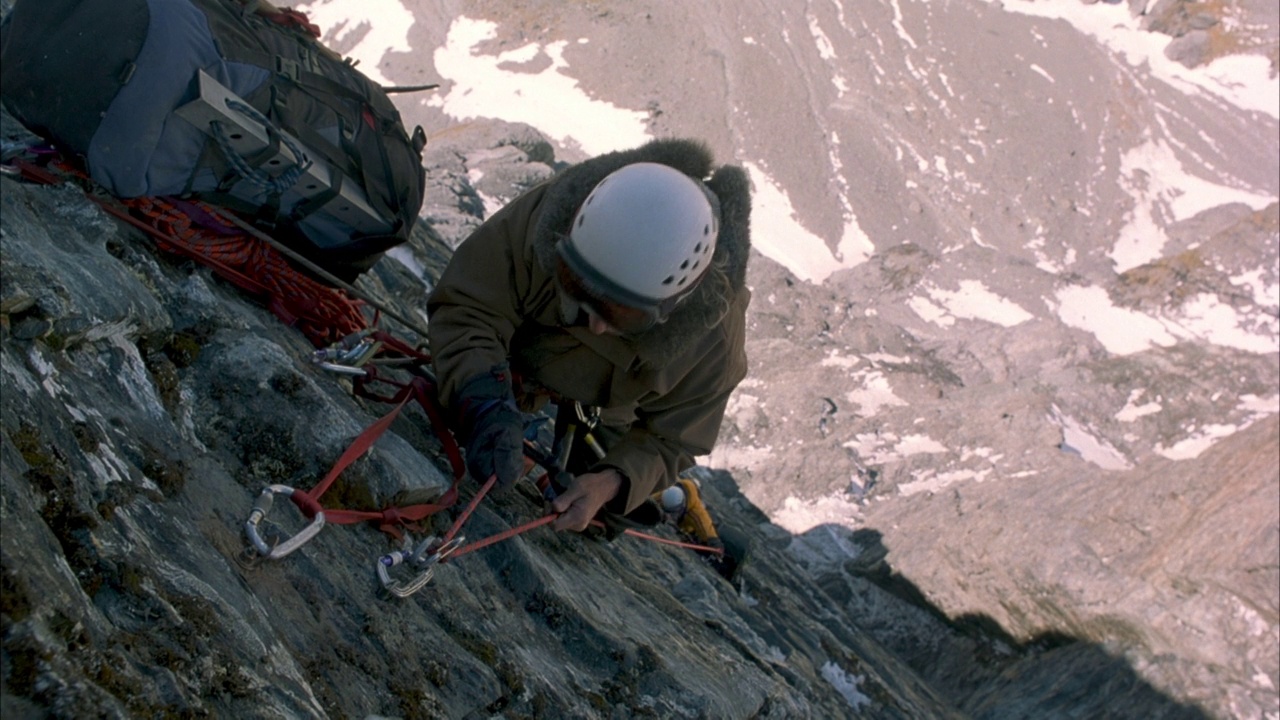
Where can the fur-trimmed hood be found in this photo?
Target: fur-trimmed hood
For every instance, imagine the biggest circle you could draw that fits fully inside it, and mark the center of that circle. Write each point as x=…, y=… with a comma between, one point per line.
x=706, y=305
x=666, y=390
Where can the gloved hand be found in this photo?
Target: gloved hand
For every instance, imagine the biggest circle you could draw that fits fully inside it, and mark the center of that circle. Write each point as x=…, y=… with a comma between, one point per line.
x=492, y=427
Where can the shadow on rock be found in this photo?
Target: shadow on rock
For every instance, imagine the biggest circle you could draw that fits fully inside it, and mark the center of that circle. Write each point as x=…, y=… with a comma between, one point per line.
x=984, y=670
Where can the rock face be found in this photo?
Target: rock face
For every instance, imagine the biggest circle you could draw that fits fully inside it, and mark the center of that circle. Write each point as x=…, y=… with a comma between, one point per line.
x=1204, y=32
x=1174, y=565
x=147, y=403
x=1046, y=521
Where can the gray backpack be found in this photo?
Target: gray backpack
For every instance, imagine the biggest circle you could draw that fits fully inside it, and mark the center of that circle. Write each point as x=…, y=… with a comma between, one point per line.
x=232, y=102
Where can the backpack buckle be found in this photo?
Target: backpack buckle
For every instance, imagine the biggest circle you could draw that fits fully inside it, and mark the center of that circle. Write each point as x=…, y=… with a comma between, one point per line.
x=288, y=68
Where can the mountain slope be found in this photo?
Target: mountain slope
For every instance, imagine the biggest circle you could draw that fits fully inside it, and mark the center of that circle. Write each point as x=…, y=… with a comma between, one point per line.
x=146, y=404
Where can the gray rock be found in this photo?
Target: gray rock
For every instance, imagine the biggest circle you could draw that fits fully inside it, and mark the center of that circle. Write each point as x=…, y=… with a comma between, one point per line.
x=131, y=456
x=1190, y=49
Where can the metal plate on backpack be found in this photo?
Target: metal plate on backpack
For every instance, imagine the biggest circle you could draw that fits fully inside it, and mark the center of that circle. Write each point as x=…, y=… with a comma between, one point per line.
x=249, y=137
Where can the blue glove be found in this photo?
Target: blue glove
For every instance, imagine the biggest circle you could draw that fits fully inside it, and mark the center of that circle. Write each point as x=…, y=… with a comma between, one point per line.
x=492, y=427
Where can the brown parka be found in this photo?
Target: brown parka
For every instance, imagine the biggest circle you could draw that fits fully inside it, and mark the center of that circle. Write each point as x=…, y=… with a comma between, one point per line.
x=662, y=394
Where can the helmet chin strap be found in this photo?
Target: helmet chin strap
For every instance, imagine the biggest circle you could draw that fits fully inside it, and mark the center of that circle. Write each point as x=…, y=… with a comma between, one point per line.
x=570, y=309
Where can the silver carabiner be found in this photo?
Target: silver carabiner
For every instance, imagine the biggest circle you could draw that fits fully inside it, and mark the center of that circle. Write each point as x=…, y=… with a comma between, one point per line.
x=261, y=507
x=340, y=369
x=417, y=558
x=348, y=354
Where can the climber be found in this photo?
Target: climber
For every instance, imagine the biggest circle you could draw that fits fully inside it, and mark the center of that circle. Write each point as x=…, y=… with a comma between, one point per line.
x=682, y=506
x=618, y=285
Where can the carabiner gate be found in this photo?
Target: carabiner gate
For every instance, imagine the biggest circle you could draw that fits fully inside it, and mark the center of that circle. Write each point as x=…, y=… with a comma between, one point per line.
x=261, y=507
x=418, y=558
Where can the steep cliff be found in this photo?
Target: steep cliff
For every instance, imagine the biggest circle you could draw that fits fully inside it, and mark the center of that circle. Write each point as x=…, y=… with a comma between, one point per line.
x=146, y=404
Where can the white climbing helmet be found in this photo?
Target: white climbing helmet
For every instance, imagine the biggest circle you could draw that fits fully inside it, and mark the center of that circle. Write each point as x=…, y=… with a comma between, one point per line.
x=673, y=500
x=642, y=240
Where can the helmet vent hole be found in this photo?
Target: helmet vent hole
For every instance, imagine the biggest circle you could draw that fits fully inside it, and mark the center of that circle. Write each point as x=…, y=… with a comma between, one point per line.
x=684, y=265
x=697, y=248
x=670, y=279
x=706, y=230
x=696, y=264
x=581, y=219
x=686, y=277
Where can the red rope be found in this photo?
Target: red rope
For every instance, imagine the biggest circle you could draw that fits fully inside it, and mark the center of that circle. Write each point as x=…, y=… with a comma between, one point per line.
x=504, y=535
x=391, y=518
x=665, y=541
x=324, y=314
x=457, y=524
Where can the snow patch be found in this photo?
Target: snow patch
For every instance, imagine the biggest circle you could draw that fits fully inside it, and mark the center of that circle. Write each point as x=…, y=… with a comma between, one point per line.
x=1042, y=72
x=835, y=359
x=875, y=393
x=1200, y=440
x=726, y=456
x=1206, y=317
x=878, y=358
x=1131, y=412
x=1163, y=192
x=871, y=447
x=1265, y=294
x=1121, y=331
x=801, y=516
x=931, y=481
x=743, y=409
x=1084, y=441
x=383, y=27
x=846, y=684
x=403, y=255
x=1260, y=406
x=491, y=203
x=777, y=233
x=1242, y=80
x=973, y=301
x=550, y=100
x=930, y=312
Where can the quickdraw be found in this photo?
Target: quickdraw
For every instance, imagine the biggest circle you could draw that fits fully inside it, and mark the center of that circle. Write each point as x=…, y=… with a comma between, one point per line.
x=424, y=560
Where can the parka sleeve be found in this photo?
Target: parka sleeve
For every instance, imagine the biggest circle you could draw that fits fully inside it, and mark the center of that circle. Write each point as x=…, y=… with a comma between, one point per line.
x=490, y=284
x=674, y=427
